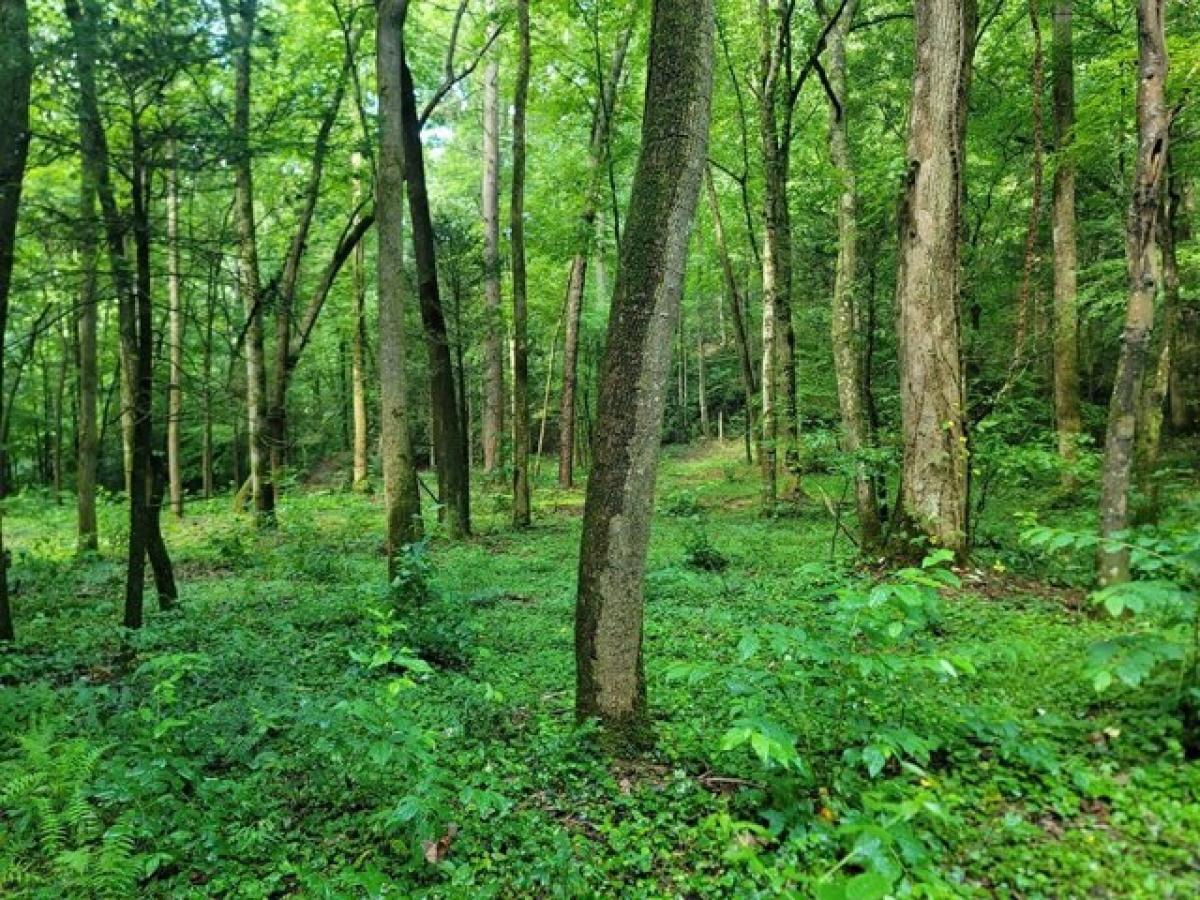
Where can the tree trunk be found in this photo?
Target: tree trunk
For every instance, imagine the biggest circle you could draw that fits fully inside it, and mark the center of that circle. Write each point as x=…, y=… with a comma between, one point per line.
x=175, y=312
x=1066, y=316
x=87, y=440
x=358, y=350
x=286, y=355
x=610, y=681
x=521, y=488
x=454, y=478
x=597, y=150
x=145, y=502
x=1029, y=257
x=16, y=75
x=241, y=30
x=933, y=499
x=493, y=341
x=745, y=358
x=1153, y=124
x=845, y=318
x=206, y=448
x=401, y=500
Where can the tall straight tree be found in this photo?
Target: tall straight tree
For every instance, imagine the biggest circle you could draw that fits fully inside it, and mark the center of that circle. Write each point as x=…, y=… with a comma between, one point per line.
x=493, y=342
x=401, y=501
x=845, y=318
x=240, y=19
x=610, y=682
x=1066, y=316
x=1141, y=220
x=175, y=339
x=521, y=438
x=87, y=434
x=933, y=500
x=597, y=148
x=16, y=74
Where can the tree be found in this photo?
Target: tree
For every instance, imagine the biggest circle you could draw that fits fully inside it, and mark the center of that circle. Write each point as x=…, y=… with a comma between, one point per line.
x=933, y=500
x=401, y=500
x=241, y=29
x=521, y=438
x=597, y=148
x=610, y=683
x=493, y=346
x=1141, y=221
x=175, y=339
x=1066, y=315
x=454, y=482
x=845, y=318
x=16, y=74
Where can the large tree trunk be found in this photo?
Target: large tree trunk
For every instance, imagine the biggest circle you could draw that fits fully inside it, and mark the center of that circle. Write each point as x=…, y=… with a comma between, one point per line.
x=610, y=683
x=933, y=500
x=493, y=341
x=401, y=500
x=87, y=440
x=16, y=74
x=358, y=353
x=454, y=477
x=845, y=318
x=521, y=487
x=1153, y=126
x=745, y=358
x=597, y=150
x=1066, y=316
x=175, y=313
x=241, y=30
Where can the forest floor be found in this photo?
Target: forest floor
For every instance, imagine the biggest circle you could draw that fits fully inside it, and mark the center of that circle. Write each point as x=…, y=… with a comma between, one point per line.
x=292, y=729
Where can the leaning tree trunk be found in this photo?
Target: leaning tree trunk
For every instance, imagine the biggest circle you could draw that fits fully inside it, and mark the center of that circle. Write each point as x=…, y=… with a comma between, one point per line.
x=454, y=477
x=597, y=148
x=845, y=318
x=933, y=501
x=521, y=488
x=1153, y=127
x=1066, y=317
x=401, y=500
x=262, y=485
x=493, y=341
x=16, y=74
x=610, y=682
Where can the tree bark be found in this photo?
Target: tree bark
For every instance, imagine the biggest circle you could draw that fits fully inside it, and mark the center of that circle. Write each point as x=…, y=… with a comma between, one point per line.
x=610, y=681
x=597, y=150
x=521, y=438
x=16, y=75
x=1029, y=257
x=933, y=501
x=1066, y=317
x=175, y=313
x=87, y=440
x=454, y=478
x=401, y=500
x=1153, y=128
x=358, y=350
x=845, y=318
x=241, y=30
x=493, y=341
x=745, y=358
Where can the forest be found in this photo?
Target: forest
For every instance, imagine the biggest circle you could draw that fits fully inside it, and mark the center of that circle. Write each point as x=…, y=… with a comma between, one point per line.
x=600, y=448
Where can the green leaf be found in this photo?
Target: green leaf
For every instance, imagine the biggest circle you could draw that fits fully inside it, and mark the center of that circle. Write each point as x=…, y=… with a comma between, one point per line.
x=1102, y=680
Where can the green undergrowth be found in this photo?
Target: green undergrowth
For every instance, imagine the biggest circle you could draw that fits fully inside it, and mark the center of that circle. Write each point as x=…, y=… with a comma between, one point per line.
x=822, y=729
